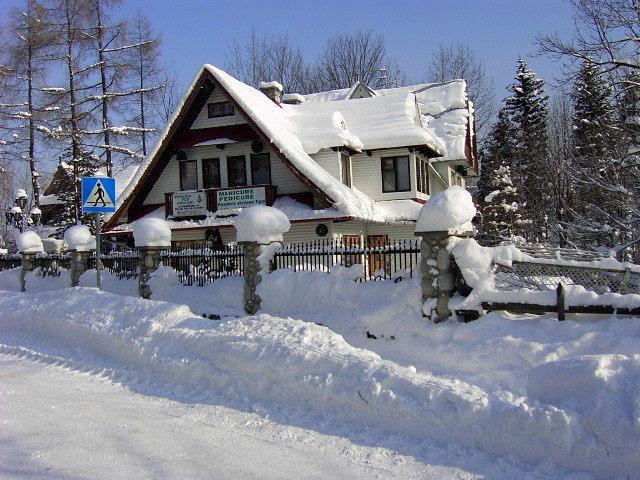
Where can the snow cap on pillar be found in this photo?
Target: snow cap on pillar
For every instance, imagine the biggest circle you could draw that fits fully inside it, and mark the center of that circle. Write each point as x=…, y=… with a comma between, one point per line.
x=79, y=238
x=29, y=242
x=448, y=211
x=152, y=232
x=261, y=224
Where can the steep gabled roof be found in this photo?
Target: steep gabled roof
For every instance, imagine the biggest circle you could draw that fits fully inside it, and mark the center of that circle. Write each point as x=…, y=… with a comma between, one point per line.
x=274, y=125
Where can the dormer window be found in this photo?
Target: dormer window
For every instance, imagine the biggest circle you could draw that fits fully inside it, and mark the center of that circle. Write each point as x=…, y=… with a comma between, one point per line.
x=220, y=109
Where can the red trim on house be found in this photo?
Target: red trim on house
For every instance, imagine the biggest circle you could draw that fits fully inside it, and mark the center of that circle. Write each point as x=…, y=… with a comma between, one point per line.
x=266, y=139
x=237, y=133
x=180, y=128
x=419, y=200
x=205, y=227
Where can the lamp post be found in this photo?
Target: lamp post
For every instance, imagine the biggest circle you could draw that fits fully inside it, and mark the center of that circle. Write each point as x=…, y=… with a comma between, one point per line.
x=16, y=215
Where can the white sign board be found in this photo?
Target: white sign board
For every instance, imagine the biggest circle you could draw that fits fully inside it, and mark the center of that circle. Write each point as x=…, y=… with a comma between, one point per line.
x=241, y=197
x=189, y=204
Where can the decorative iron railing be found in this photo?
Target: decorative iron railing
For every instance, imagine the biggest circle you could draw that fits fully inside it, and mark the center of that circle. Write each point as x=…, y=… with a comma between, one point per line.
x=52, y=264
x=197, y=265
x=378, y=260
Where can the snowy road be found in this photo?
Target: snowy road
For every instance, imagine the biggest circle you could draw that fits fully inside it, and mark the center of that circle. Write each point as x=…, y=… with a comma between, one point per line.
x=57, y=423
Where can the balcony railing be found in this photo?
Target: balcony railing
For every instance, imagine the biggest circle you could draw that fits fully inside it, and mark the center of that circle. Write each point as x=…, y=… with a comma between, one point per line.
x=218, y=198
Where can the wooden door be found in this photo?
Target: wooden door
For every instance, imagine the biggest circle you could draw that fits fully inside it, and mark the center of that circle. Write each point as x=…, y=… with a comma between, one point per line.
x=351, y=241
x=377, y=260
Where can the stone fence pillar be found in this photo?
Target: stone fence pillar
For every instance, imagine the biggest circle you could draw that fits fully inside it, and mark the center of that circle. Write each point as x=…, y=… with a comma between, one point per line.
x=79, y=264
x=28, y=265
x=29, y=245
x=257, y=259
x=437, y=269
x=148, y=262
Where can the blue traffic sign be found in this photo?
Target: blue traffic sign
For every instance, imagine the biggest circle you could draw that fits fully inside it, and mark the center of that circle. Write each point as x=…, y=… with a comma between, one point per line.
x=98, y=195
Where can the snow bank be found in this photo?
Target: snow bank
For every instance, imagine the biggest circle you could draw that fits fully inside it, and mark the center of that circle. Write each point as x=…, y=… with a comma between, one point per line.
x=475, y=262
x=10, y=279
x=79, y=238
x=449, y=210
x=152, y=232
x=223, y=297
x=29, y=242
x=311, y=371
x=261, y=224
x=110, y=282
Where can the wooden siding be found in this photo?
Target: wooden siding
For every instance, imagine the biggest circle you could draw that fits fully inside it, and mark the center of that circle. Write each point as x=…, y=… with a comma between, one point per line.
x=203, y=120
x=305, y=232
x=367, y=174
x=329, y=160
x=169, y=181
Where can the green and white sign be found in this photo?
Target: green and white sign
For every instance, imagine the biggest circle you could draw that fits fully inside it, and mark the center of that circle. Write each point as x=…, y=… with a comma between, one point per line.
x=189, y=204
x=241, y=197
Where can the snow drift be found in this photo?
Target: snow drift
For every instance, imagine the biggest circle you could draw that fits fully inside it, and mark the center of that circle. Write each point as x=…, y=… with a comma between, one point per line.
x=310, y=370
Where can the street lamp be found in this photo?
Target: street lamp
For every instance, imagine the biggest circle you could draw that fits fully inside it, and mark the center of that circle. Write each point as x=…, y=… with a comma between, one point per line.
x=16, y=215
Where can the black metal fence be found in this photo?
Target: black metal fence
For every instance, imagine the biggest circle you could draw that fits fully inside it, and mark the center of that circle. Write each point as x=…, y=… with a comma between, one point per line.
x=122, y=264
x=200, y=264
x=52, y=264
x=378, y=260
x=10, y=261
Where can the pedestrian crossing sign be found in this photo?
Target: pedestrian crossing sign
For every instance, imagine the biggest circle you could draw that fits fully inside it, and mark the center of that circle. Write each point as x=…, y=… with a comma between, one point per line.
x=98, y=195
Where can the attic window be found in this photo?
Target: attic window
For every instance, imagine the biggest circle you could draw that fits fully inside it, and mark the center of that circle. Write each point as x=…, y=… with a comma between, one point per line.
x=220, y=109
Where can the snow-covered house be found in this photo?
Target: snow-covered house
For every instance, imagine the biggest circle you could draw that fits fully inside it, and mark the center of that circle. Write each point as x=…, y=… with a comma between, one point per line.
x=355, y=163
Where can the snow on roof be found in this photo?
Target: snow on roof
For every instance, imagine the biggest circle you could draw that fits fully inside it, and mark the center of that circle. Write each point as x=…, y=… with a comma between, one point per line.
x=122, y=175
x=400, y=210
x=434, y=115
x=379, y=122
x=443, y=112
x=283, y=132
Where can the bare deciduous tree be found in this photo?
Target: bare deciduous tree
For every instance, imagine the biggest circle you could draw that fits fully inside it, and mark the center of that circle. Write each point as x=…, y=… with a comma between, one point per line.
x=606, y=34
x=266, y=58
x=351, y=57
x=458, y=61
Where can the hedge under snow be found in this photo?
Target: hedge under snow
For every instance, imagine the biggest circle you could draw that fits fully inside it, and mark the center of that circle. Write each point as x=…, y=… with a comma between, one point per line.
x=152, y=232
x=261, y=224
x=29, y=242
x=449, y=210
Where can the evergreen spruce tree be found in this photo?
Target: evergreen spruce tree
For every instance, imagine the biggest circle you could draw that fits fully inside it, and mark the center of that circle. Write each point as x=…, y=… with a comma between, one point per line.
x=527, y=109
x=601, y=209
x=498, y=196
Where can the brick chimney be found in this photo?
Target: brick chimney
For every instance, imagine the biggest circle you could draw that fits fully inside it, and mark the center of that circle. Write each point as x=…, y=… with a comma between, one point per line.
x=273, y=90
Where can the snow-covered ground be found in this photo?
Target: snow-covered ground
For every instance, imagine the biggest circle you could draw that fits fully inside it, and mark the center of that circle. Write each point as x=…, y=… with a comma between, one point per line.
x=502, y=397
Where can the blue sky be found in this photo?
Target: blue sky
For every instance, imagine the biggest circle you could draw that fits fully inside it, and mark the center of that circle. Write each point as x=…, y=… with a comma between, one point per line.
x=199, y=31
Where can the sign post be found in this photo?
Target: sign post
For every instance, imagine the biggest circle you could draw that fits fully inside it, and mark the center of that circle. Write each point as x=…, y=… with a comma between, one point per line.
x=98, y=197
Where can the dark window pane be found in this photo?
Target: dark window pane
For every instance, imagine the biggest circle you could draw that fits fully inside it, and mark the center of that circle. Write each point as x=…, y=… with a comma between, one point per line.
x=260, y=169
x=345, y=167
x=403, y=182
x=388, y=181
x=236, y=171
x=222, y=109
x=188, y=175
x=211, y=173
